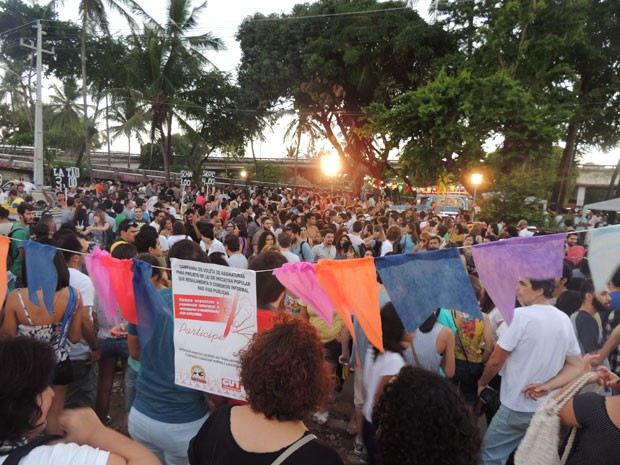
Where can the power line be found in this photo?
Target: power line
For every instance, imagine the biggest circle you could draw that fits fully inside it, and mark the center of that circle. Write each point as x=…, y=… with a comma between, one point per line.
x=17, y=28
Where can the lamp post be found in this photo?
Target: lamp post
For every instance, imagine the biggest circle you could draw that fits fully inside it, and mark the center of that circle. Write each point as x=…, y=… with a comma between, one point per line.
x=476, y=180
x=330, y=165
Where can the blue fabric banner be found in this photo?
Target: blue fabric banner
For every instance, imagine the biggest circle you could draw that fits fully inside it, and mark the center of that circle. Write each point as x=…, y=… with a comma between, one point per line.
x=149, y=302
x=41, y=273
x=419, y=283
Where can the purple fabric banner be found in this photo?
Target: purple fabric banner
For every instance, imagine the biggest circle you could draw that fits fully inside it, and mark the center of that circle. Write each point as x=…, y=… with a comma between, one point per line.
x=300, y=278
x=501, y=264
x=103, y=284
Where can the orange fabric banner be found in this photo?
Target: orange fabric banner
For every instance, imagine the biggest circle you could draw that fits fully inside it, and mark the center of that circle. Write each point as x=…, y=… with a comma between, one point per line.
x=352, y=287
x=4, y=251
x=121, y=277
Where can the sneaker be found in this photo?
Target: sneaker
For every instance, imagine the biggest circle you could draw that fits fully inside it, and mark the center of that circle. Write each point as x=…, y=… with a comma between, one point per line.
x=321, y=417
x=358, y=449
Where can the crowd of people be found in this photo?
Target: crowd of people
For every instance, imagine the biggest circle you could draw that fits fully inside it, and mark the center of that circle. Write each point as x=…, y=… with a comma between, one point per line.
x=458, y=390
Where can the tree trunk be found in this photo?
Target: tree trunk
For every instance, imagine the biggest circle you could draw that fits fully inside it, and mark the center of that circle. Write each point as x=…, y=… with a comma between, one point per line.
x=254, y=156
x=612, y=183
x=85, y=100
x=107, y=130
x=129, y=151
x=560, y=187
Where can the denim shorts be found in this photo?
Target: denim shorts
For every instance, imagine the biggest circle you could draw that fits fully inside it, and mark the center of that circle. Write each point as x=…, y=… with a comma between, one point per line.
x=114, y=347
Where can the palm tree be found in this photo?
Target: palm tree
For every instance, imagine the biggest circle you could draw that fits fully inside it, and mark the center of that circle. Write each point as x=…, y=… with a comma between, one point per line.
x=132, y=118
x=65, y=117
x=93, y=14
x=302, y=124
x=94, y=17
x=163, y=61
x=17, y=91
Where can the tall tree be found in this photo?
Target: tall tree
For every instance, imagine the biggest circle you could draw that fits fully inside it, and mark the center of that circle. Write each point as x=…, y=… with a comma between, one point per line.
x=333, y=58
x=163, y=61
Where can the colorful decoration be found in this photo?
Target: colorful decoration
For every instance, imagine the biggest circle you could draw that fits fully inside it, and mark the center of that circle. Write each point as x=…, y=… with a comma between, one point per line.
x=501, y=264
x=121, y=274
x=41, y=273
x=604, y=255
x=102, y=282
x=419, y=283
x=300, y=278
x=352, y=286
x=5, y=242
x=149, y=302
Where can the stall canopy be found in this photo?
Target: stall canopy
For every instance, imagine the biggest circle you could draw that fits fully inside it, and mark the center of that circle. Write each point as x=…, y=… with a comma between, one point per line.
x=612, y=205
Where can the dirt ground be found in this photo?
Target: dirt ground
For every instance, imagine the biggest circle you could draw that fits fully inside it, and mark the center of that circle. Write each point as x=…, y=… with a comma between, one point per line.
x=333, y=432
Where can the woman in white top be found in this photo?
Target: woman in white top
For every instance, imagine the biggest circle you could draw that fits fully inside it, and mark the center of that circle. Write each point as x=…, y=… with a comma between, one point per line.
x=379, y=368
x=27, y=366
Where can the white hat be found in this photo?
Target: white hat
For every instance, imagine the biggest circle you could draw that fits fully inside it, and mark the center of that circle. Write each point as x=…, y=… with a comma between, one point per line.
x=217, y=247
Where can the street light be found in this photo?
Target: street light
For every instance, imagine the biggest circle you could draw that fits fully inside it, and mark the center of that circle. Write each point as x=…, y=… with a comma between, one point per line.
x=330, y=165
x=476, y=180
x=243, y=174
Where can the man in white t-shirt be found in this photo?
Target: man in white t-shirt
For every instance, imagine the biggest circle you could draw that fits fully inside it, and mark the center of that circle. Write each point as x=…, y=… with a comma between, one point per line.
x=84, y=355
x=233, y=249
x=538, y=353
x=523, y=231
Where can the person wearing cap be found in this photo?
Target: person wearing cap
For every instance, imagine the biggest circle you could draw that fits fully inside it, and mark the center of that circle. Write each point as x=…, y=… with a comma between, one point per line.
x=127, y=230
x=523, y=231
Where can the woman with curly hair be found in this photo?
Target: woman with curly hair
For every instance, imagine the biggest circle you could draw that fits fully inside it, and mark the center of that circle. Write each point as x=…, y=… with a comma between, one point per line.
x=285, y=379
x=267, y=238
x=421, y=419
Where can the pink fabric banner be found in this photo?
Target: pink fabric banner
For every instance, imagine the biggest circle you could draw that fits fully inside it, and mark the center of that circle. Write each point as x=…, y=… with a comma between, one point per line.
x=100, y=276
x=301, y=280
x=121, y=279
x=500, y=265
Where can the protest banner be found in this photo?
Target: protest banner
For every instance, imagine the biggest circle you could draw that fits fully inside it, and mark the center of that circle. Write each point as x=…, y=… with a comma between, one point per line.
x=214, y=318
x=187, y=177
x=65, y=178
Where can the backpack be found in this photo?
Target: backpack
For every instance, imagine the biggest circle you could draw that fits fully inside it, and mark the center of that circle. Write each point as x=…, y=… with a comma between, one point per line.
x=301, y=251
x=11, y=257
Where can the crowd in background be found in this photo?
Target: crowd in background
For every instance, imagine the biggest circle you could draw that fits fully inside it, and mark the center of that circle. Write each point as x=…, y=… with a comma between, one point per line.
x=422, y=400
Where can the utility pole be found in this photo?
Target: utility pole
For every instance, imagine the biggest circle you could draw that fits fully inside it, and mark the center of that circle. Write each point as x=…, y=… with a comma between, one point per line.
x=38, y=109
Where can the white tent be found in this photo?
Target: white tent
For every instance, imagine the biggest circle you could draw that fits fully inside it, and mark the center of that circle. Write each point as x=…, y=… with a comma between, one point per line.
x=612, y=205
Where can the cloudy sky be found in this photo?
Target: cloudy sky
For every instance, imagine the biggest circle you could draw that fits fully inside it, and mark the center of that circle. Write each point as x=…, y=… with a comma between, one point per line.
x=222, y=18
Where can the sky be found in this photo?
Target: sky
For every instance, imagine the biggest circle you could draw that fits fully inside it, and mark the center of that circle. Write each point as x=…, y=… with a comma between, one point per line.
x=222, y=18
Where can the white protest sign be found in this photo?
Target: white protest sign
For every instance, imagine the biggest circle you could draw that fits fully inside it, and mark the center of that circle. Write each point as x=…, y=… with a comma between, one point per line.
x=214, y=318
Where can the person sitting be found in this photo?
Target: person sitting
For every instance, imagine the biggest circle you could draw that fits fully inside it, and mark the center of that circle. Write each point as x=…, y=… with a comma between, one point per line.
x=27, y=366
x=285, y=379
